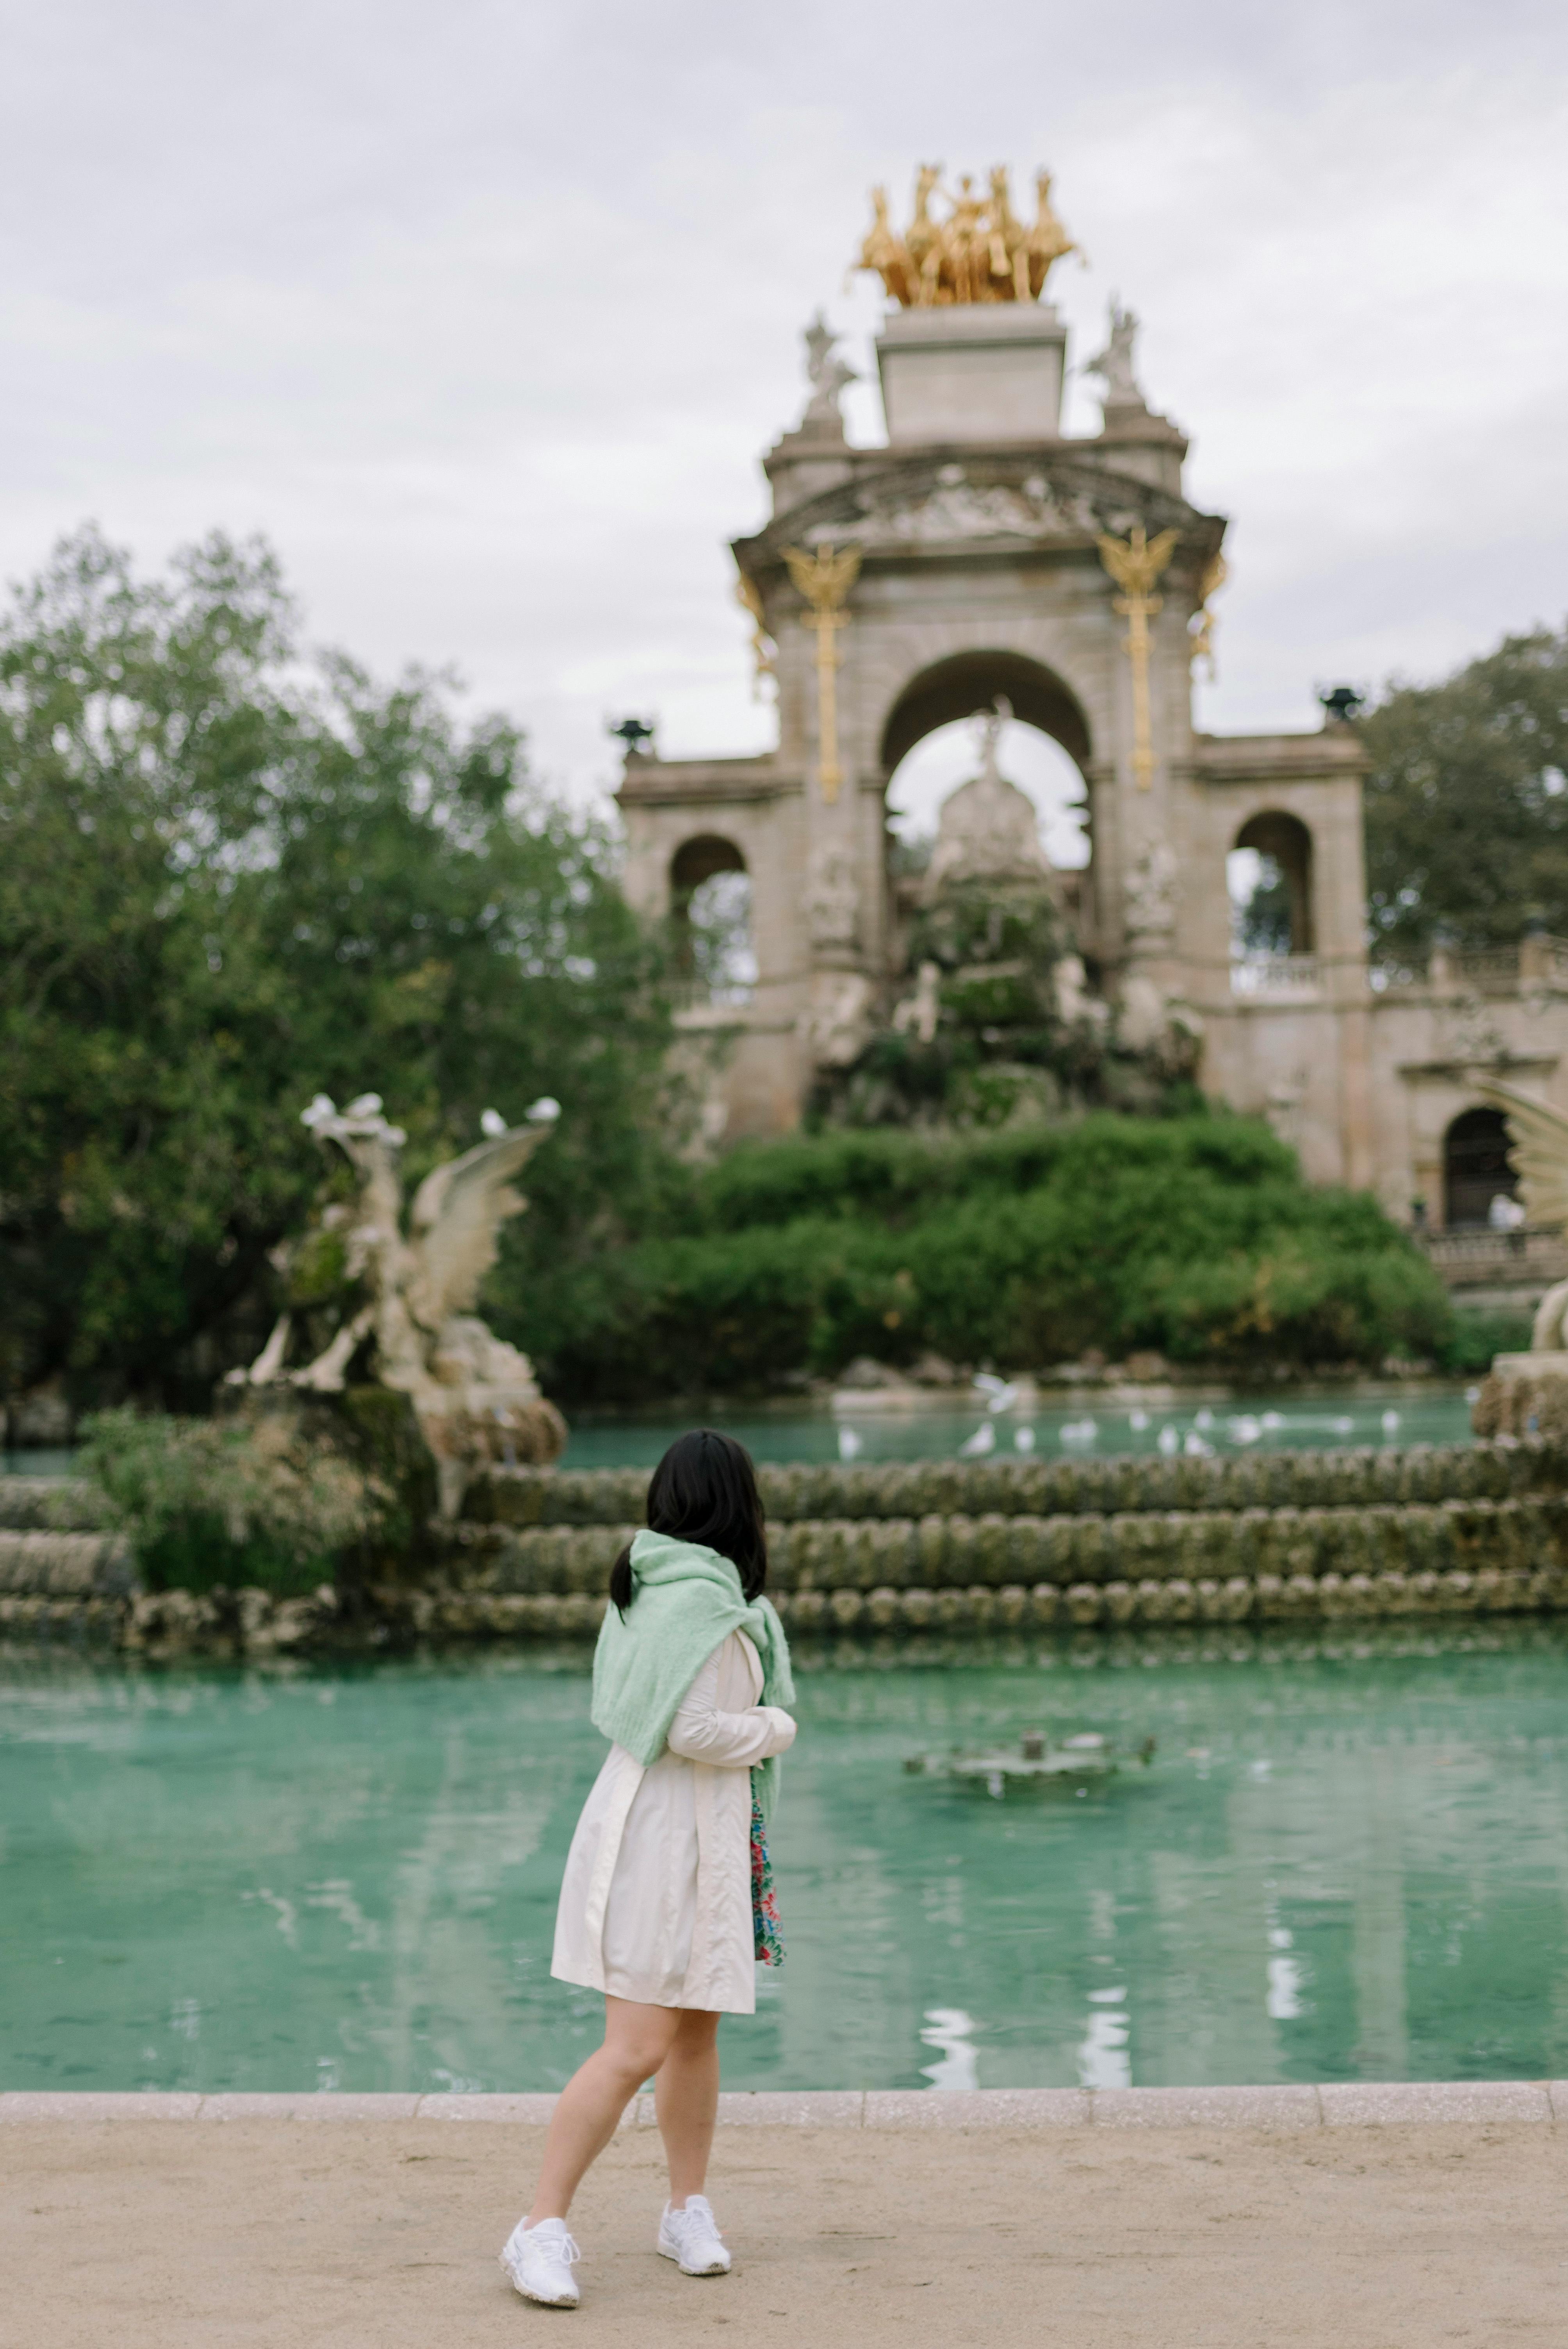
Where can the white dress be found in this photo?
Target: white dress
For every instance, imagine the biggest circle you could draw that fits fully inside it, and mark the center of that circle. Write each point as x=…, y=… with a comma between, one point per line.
x=655, y=1904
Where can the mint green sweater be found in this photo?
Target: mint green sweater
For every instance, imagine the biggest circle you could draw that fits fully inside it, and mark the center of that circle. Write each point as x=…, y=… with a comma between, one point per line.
x=685, y=1600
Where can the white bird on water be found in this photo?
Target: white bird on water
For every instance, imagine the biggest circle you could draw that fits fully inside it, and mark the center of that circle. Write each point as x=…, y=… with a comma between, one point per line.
x=1168, y=1441
x=850, y=1445
x=984, y=1440
x=1023, y=1439
x=999, y=1393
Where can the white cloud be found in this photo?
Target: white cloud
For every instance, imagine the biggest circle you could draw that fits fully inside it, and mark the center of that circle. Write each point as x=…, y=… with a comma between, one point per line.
x=485, y=314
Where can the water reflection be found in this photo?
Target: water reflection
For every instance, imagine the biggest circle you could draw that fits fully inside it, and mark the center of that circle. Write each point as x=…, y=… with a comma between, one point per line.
x=1349, y=1858
x=949, y=2028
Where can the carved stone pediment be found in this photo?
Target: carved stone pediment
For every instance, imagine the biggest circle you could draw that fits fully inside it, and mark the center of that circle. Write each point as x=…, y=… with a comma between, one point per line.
x=937, y=503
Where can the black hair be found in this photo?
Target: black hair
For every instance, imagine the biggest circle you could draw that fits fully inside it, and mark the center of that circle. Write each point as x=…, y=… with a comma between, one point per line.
x=704, y=1490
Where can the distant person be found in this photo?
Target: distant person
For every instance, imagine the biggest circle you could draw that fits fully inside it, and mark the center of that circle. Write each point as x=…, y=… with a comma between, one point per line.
x=667, y=1901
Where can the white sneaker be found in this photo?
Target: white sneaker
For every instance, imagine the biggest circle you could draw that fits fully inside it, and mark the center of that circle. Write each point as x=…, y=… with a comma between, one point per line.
x=540, y=2260
x=691, y=2237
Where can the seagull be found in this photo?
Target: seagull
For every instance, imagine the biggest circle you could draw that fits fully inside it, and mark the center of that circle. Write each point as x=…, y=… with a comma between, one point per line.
x=1195, y=1448
x=984, y=1440
x=1137, y=1421
x=1170, y=1441
x=543, y=1111
x=491, y=1123
x=1390, y=1422
x=1000, y=1393
x=1080, y=1431
x=1023, y=1439
x=850, y=1445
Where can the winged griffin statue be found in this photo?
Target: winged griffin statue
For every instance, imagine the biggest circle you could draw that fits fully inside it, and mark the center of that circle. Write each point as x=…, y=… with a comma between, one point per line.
x=474, y=1397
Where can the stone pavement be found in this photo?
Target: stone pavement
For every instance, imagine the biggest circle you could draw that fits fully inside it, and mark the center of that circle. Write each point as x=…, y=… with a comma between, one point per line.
x=1360, y=2218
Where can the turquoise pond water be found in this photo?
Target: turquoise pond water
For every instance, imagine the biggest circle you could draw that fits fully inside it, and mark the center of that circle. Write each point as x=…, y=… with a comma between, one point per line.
x=1346, y=1859
x=940, y=1430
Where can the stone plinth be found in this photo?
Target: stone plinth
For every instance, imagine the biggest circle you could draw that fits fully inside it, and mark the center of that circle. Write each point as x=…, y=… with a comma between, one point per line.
x=989, y=371
x=1523, y=1395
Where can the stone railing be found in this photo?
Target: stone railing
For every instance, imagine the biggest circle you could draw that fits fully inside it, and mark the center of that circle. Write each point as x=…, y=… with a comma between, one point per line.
x=1469, y=1258
x=1536, y=962
x=1276, y=978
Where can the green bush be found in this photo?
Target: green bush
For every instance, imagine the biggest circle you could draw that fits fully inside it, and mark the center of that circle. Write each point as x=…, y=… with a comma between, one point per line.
x=232, y=1503
x=1196, y=1236
x=1477, y=1337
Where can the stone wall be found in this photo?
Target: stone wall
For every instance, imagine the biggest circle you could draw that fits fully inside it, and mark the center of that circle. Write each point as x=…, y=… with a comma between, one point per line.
x=933, y=1547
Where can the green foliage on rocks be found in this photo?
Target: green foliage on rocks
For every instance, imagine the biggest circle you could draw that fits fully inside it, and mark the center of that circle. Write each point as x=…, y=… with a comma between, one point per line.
x=1195, y=1235
x=1467, y=805
x=236, y=1503
x=1002, y=1049
x=233, y=872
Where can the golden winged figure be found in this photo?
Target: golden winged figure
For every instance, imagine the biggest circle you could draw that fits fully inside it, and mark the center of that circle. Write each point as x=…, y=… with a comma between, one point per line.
x=749, y=596
x=823, y=577
x=1539, y=1134
x=1136, y=562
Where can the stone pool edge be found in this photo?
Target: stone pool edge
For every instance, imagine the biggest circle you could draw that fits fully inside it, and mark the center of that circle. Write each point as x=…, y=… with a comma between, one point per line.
x=1340, y=2103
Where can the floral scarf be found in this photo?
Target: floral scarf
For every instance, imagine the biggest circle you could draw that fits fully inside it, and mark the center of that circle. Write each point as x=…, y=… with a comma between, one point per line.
x=769, y=1940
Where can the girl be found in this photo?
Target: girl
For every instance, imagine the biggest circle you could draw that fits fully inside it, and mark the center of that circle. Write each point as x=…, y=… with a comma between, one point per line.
x=667, y=1897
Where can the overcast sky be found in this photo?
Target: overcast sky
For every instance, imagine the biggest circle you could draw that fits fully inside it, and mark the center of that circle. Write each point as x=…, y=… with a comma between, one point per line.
x=483, y=314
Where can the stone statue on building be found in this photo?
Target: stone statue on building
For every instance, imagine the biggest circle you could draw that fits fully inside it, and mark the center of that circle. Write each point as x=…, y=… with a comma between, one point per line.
x=987, y=831
x=827, y=375
x=1114, y=365
x=1151, y=893
x=832, y=902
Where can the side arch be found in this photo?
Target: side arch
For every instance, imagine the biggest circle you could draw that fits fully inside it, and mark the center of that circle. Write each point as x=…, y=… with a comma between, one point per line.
x=969, y=681
x=1475, y=1167
x=1286, y=841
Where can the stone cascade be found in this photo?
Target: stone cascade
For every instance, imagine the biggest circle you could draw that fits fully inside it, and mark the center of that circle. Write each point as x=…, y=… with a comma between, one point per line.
x=929, y=1548
x=1048, y=1546
x=59, y=1568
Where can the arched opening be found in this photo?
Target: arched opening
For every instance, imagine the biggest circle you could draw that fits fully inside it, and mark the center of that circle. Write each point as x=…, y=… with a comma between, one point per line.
x=710, y=920
x=1268, y=875
x=1476, y=1171
x=931, y=744
x=958, y=687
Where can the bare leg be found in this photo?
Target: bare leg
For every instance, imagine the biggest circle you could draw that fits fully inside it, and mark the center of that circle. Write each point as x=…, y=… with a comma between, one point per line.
x=686, y=2098
x=637, y=2039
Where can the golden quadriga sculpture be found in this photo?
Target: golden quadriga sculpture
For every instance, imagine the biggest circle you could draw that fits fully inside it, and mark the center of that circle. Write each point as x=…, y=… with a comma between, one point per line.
x=474, y=1397
x=979, y=251
x=1527, y=1394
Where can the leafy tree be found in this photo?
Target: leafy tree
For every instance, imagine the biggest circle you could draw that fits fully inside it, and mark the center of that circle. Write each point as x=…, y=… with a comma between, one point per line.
x=1467, y=812
x=230, y=876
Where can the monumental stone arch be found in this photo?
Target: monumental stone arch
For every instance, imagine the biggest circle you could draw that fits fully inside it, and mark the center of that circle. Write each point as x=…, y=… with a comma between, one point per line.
x=981, y=552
